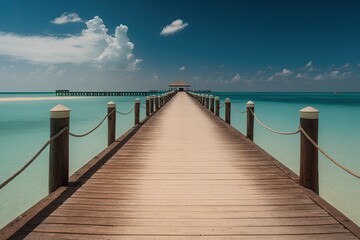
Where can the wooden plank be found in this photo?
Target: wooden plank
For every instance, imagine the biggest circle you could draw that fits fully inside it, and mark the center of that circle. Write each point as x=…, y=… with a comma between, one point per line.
x=76, y=236
x=189, y=231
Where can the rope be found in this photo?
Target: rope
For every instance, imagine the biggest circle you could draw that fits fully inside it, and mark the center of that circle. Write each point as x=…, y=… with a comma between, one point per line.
x=222, y=105
x=87, y=133
x=142, y=106
x=273, y=130
x=127, y=112
x=236, y=110
x=33, y=158
x=327, y=155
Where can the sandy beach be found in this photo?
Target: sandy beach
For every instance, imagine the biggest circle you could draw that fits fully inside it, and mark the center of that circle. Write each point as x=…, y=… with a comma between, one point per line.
x=16, y=99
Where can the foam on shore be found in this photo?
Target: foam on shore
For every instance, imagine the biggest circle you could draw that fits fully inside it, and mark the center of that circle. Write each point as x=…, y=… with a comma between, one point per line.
x=16, y=99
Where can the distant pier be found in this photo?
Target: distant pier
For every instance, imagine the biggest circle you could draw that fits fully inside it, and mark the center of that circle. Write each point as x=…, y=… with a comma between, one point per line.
x=111, y=93
x=103, y=93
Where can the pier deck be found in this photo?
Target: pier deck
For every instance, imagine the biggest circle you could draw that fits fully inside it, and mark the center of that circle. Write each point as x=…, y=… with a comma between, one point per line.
x=185, y=174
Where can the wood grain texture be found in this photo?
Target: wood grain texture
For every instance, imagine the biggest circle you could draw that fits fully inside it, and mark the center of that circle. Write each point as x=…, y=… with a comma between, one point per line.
x=185, y=175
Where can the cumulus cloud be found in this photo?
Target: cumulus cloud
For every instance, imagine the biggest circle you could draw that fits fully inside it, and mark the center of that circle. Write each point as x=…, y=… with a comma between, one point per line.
x=284, y=73
x=174, y=27
x=236, y=78
x=346, y=65
x=67, y=18
x=92, y=45
x=182, y=68
x=337, y=75
x=309, y=66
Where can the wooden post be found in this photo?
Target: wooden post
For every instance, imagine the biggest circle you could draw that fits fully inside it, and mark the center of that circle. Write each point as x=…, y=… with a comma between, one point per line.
x=211, y=103
x=217, y=106
x=309, y=121
x=250, y=106
x=151, y=104
x=111, y=122
x=228, y=110
x=159, y=102
x=137, y=111
x=203, y=99
x=207, y=101
x=147, y=106
x=59, y=148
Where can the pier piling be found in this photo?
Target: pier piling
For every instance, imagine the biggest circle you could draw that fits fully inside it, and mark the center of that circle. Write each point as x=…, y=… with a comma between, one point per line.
x=137, y=111
x=250, y=109
x=217, y=106
x=309, y=122
x=228, y=110
x=211, y=103
x=111, y=106
x=59, y=148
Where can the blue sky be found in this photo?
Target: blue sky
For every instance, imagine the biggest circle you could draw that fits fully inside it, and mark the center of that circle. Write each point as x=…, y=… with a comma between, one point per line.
x=218, y=45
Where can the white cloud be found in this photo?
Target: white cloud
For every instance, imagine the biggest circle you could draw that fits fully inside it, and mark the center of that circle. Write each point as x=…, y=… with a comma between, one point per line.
x=319, y=77
x=236, y=78
x=284, y=73
x=182, y=68
x=346, y=65
x=309, y=66
x=302, y=75
x=174, y=27
x=67, y=18
x=337, y=75
x=92, y=45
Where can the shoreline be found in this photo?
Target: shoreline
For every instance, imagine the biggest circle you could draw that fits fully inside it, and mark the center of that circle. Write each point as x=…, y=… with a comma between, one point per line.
x=16, y=99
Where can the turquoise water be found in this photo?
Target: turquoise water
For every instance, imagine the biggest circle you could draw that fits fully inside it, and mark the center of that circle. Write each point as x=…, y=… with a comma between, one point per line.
x=339, y=131
x=24, y=128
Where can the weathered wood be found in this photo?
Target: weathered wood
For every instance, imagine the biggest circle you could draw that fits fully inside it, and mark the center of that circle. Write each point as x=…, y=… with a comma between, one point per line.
x=228, y=111
x=250, y=109
x=217, y=106
x=309, y=176
x=147, y=106
x=211, y=103
x=137, y=111
x=152, y=104
x=207, y=101
x=111, y=110
x=59, y=148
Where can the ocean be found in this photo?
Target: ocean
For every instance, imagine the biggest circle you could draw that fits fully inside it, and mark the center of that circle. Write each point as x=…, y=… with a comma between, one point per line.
x=24, y=128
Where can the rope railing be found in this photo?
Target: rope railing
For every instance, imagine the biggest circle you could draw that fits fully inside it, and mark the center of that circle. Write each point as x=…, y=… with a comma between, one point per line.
x=222, y=105
x=92, y=130
x=7, y=181
x=327, y=155
x=238, y=111
x=271, y=129
x=142, y=106
x=126, y=112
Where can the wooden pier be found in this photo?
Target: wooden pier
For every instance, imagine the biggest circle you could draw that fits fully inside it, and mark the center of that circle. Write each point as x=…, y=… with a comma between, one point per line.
x=103, y=93
x=181, y=174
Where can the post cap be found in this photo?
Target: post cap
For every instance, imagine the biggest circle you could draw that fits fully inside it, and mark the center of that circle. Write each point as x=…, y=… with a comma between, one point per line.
x=250, y=104
x=137, y=100
x=158, y=97
x=111, y=104
x=227, y=100
x=147, y=98
x=211, y=96
x=206, y=95
x=60, y=111
x=217, y=98
x=309, y=113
